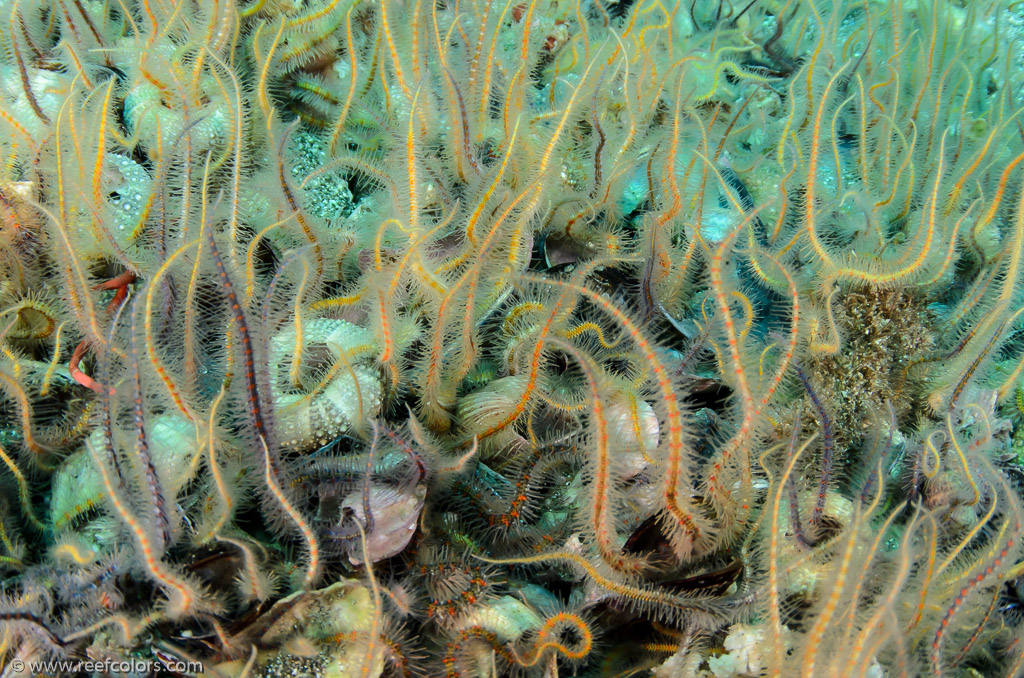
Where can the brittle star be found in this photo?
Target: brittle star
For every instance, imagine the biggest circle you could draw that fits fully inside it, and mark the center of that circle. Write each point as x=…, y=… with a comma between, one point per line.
x=119, y=283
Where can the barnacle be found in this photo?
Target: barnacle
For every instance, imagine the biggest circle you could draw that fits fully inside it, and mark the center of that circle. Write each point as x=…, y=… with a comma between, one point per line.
x=77, y=487
x=158, y=120
x=342, y=392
